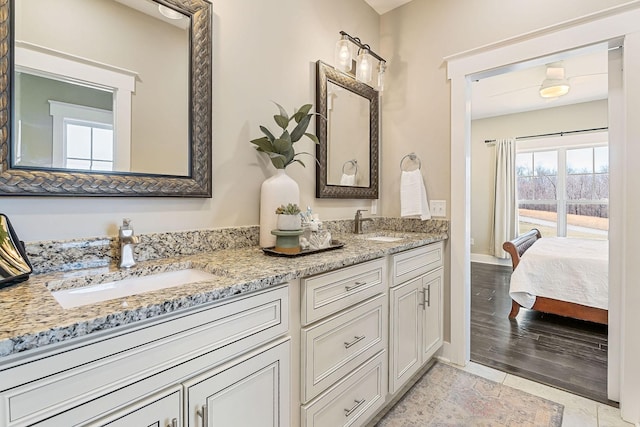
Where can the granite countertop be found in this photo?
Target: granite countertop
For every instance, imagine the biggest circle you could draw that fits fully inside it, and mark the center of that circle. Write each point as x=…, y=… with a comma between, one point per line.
x=31, y=318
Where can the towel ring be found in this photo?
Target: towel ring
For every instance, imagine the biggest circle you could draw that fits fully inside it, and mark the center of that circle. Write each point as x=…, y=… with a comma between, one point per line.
x=353, y=163
x=411, y=156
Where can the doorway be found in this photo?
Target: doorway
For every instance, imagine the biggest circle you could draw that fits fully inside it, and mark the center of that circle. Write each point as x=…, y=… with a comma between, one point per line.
x=606, y=27
x=562, y=182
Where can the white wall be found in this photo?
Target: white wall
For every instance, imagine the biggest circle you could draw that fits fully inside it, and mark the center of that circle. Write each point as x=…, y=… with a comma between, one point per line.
x=587, y=115
x=263, y=51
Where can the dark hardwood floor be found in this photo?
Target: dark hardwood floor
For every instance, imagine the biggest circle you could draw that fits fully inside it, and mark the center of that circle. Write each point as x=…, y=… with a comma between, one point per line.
x=561, y=352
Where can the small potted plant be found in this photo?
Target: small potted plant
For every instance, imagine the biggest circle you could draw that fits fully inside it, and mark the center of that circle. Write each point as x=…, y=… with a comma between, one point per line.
x=289, y=217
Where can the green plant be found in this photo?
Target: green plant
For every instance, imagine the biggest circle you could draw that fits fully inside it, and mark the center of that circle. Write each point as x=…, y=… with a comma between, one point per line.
x=290, y=209
x=280, y=150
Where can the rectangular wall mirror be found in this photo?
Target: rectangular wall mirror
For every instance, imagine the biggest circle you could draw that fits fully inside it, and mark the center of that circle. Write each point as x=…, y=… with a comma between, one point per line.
x=348, y=150
x=106, y=97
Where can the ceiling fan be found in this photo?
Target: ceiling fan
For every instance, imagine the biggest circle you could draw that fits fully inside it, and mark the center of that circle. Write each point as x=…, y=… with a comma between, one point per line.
x=555, y=84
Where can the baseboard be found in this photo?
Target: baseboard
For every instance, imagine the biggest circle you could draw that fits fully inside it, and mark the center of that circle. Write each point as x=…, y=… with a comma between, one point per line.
x=490, y=259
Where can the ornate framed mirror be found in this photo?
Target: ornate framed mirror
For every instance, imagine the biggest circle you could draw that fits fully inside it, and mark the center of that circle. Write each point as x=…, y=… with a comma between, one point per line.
x=347, y=126
x=105, y=98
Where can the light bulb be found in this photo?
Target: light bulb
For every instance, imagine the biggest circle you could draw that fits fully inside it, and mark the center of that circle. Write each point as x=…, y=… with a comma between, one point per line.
x=169, y=13
x=343, y=55
x=382, y=67
x=364, y=66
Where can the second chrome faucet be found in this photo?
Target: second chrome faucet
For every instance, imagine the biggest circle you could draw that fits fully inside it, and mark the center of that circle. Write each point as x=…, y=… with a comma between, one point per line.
x=358, y=220
x=127, y=243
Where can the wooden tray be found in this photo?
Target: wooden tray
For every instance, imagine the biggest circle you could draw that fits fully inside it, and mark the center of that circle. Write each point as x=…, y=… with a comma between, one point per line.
x=334, y=245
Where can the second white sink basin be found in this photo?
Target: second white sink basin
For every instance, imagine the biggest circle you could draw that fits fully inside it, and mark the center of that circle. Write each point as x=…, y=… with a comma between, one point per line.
x=384, y=238
x=76, y=297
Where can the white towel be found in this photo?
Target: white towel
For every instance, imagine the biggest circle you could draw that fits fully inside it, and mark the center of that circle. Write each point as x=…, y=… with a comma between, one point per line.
x=348, y=180
x=413, y=195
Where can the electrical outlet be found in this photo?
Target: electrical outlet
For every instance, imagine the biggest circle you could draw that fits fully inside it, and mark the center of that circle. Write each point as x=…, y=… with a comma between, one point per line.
x=438, y=208
x=473, y=242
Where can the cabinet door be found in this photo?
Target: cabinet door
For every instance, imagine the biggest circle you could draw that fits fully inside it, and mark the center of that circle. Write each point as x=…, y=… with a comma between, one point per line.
x=431, y=307
x=251, y=393
x=162, y=410
x=406, y=331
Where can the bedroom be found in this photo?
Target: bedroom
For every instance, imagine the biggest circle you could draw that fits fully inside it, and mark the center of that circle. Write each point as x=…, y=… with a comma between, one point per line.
x=551, y=175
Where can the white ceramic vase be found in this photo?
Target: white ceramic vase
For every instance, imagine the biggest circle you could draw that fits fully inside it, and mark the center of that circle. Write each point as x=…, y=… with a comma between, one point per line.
x=280, y=189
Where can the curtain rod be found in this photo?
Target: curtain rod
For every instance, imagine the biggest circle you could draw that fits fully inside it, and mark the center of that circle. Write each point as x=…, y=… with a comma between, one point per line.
x=488, y=141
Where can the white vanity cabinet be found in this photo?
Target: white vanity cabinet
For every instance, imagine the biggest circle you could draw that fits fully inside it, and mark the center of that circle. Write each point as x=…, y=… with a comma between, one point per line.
x=416, y=322
x=344, y=317
x=220, y=354
x=253, y=392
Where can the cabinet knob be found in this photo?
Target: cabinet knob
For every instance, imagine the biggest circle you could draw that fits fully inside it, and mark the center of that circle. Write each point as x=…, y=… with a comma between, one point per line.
x=204, y=415
x=354, y=342
x=357, y=404
x=355, y=286
x=426, y=297
x=174, y=423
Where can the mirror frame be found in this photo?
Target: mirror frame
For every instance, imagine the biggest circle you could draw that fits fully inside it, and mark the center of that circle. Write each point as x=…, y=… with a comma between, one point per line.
x=49, y=182
x=325, y=74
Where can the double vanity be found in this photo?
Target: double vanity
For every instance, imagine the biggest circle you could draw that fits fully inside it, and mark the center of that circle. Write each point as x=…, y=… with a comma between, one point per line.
x=230, y=337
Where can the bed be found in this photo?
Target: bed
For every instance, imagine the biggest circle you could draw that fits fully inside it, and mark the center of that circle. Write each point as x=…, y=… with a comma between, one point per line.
x=566, y=277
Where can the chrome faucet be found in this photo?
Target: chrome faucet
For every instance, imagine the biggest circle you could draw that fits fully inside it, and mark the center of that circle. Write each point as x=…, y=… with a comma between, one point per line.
x=358, y=220
x=127, y=242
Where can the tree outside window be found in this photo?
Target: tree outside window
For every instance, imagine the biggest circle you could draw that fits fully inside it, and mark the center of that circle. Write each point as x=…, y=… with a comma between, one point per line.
x=564, y=191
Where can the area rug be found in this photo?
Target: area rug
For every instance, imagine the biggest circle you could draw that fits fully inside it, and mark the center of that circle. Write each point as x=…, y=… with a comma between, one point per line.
x=447, y=396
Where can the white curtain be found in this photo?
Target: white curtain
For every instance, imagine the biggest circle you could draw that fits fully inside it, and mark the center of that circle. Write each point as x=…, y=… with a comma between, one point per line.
x=505, y=209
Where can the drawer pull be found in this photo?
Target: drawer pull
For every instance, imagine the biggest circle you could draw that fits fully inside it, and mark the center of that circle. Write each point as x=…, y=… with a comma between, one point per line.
x=174, y=423
x=354, y=342
x=428, y=302
x=358, y=403
x=204, y=414
x=422, y=300
x=356, y=286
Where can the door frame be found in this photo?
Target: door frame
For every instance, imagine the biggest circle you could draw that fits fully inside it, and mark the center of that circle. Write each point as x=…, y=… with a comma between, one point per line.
x=615, y=26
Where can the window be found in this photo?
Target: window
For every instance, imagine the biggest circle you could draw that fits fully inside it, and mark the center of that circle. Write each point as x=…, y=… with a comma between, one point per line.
x=89, y=146
x=564, y=191
x=82, y=137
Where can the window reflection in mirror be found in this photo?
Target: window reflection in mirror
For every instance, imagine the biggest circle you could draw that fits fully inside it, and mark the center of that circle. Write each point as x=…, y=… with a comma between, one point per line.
x=101, y=85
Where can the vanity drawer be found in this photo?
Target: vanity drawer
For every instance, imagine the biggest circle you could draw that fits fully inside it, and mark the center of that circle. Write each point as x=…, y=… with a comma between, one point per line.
x=341, y=343
x=141, y=358
x=415, y=262
x=331, y=292
x=351, y=401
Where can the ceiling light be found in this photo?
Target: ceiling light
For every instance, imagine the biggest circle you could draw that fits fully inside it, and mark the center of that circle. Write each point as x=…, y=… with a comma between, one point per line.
x=555, y=84
x=169, y=13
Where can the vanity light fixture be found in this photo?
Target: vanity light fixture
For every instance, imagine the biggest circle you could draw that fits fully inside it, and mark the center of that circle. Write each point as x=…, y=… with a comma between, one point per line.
x=555, y=85
x=167, y=12
x=365, y=60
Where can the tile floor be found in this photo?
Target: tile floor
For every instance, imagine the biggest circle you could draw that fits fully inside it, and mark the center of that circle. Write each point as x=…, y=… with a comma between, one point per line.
x=578, y=411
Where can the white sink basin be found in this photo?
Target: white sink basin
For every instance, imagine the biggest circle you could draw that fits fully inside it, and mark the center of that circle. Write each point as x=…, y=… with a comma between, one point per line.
x=76, y=297
x=384, y=238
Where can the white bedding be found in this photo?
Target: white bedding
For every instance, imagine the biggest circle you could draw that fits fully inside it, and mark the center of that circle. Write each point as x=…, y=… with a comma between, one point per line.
x=573, y=270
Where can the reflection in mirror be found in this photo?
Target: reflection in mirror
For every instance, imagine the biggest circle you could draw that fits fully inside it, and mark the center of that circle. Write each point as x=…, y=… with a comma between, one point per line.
x=108, y=97
x=348, y=150
x=347, y=137
x=82, y=104
x=14, y=264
